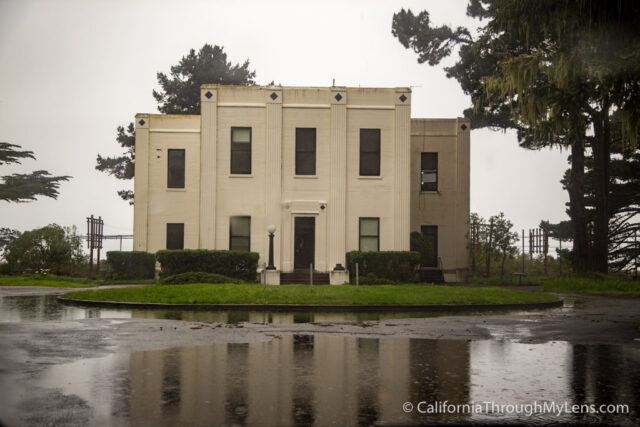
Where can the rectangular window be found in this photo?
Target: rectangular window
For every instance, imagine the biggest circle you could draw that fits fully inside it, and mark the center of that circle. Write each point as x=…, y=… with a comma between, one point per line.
x=369, y=234
x=175, y=236
x=369, y=152
x=240, y=150
x=430, y=255
x=429, y=171
x=175, y=172
x=239, y=233
x=305, y=151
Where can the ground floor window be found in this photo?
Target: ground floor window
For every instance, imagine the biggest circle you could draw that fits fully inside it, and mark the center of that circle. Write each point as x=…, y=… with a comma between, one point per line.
x=175, y=236
x=240, y=233
x=430, y=235
x=369, y=234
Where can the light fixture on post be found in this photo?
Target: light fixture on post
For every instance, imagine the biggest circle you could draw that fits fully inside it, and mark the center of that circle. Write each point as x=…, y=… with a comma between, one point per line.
x=271, y=229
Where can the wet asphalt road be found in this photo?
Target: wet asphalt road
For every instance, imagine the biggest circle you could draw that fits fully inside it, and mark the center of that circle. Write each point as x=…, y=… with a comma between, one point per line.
x=36, y=341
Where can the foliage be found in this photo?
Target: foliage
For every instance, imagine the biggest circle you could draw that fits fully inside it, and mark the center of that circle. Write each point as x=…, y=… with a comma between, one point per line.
x=48, y=280
x=301, y=294
x=237, y=264
x=398, y=266
x=550, y=69
x=122, y=166
x=19, y=187
x=493, y=237
x=126, y=265
x=7, y=236
x=48, y=249
x=180, y=94
x=595, y=283
x=197, y=277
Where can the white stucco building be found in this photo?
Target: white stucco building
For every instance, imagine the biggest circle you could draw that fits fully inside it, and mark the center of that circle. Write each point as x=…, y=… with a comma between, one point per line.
x=334, y=169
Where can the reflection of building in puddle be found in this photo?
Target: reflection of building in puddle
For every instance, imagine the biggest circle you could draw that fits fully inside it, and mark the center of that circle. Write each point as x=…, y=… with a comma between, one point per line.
x=296, y=379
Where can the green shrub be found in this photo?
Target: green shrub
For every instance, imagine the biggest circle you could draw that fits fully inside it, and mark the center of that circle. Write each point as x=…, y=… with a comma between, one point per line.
x=372, y=279
x=197, y=277
x=397, y=266
x=237, y=264
x=131, y=265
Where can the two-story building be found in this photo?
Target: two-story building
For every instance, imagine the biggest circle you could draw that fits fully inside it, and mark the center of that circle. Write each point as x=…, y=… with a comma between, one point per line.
x=334, y=169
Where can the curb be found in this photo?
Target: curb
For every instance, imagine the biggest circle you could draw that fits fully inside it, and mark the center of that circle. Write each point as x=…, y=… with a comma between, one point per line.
x=325, y=307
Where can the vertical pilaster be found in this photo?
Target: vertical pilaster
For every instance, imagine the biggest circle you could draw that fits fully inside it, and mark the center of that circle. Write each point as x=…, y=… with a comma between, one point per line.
x=402, y=169
x=208, y=148
x=338, y=178
x=141, y=184
x=273, y=169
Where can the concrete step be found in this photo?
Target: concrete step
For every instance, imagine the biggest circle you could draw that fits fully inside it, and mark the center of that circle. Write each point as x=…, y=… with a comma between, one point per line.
x=302, y=277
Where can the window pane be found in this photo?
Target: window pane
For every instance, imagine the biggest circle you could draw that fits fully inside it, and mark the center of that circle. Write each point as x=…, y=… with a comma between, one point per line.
x=369, y=164
x=369, y=226
x=239, y=233
x=240, y=135
x=429, y=171
x=305, y=163
x=368, y=244
x=239, y=244
x=240, y=226
x=175, y=236
x=175, y=171
x=370, y=152
x=305, y=151
x=240, y=161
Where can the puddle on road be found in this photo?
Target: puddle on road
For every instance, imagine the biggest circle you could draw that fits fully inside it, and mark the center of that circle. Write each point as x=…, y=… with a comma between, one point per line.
x=47, y=308
x=324, y=379
x=335, y=380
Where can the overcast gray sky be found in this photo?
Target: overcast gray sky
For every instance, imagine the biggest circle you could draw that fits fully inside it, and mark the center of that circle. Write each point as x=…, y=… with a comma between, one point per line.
x=71, y=71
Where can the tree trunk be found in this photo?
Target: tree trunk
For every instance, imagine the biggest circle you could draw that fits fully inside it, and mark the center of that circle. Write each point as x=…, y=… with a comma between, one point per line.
x=601, y=155
x=576, y=207
x=504, y=257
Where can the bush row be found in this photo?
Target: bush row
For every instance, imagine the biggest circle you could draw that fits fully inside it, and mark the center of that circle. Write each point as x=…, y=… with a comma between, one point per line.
x=236, y=264
x=395, y=266
x=131, y=265
x=197, y=277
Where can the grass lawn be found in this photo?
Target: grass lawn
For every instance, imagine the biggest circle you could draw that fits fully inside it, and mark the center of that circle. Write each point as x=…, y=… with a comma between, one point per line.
x=596, y=284
x=300, y=294
x=46, y=280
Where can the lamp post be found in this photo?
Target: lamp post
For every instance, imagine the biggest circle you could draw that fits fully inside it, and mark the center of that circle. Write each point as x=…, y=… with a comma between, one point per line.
x=271, y=229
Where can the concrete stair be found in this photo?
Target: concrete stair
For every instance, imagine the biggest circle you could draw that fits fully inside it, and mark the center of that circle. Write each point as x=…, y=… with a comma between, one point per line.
x=302, y=277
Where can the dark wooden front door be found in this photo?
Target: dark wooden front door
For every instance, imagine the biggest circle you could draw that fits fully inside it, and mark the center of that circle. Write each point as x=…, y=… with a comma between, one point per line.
x=304, y=242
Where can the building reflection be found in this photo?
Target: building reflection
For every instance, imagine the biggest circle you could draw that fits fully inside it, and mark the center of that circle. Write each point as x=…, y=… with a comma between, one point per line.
x=295, y=380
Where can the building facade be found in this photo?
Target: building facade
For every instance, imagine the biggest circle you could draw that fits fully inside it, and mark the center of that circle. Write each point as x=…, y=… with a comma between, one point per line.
x=334, y=169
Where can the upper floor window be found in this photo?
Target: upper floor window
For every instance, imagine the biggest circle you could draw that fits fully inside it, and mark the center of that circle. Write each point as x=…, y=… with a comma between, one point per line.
x=370, y=152
x=175, y=172
x=305, y=151
x=369, y=234
x=175, y=236
x=240, y=150
x=429, y=172
x=240, y=233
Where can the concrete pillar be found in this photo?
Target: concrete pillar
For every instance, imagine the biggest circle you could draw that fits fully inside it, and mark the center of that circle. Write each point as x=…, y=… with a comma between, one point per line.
x=402, y=169
x=338, y=178
x=208, y=148
x=141, y=183
x=273, y=169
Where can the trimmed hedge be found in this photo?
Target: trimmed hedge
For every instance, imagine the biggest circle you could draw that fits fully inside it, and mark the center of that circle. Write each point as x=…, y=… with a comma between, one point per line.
x=197, y=277
x=397, y=266
x=125, y=265
x=237, y=264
